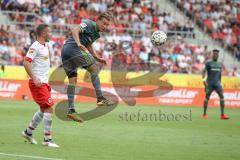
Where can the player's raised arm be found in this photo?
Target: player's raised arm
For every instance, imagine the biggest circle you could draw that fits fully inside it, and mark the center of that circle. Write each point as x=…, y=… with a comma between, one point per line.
x=75, y=33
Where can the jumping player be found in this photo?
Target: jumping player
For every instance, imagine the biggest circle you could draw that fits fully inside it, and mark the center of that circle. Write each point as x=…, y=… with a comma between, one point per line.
x=78, y=52
x=213, y=82
x=36, y=64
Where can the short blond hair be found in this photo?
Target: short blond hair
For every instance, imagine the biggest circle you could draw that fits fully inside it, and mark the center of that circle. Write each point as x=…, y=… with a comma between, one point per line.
x=107, y=15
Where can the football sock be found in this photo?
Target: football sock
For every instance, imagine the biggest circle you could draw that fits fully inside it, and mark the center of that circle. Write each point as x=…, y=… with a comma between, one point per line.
x=47, y=125
x=222, y=106
x=205, y=106
x=37, y=118
x=71, y=95
x=96, y=84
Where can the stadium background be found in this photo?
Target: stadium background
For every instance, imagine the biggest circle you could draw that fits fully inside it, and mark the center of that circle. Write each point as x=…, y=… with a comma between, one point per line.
x=191, y=38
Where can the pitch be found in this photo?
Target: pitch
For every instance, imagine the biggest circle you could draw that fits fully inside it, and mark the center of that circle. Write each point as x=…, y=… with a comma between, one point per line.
x=114, y=137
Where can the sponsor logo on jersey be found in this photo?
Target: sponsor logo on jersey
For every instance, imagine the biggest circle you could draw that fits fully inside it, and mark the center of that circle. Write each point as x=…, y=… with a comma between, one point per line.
x=83, y=25
x=49, y=100
x=215, y=69
x=31, y=50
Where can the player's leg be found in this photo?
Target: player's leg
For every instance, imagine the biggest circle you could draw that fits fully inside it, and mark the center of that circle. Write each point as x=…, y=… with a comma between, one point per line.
x=208, y=92
x=72, y=58
x=37, y=117
x=28, y=132
x=101, y=100
x=94, y=70
x=72, y=114
x=47, y=125
x=219, y=91
x=71, y=93
x=46, y=103
x=71, y=61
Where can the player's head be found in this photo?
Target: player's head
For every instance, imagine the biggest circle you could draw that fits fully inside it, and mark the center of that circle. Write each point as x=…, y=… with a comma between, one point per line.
x=104, y=20
x=215, y=54
x=43, y=31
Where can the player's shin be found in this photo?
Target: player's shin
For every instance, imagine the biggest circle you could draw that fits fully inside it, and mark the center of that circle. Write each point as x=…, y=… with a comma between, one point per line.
x=47, y=124
x=96, y=84
x=222, y=106
x=37, y=118
x=71, y=96
x=205, y=105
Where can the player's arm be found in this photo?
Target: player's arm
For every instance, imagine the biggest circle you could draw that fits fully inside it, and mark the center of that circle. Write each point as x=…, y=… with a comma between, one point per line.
x=28, y=67
x=93, y=53
x=27, y=63
x=75, y=33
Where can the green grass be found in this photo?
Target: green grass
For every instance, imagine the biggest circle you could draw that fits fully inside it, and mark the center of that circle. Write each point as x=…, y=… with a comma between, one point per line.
x=111, y=138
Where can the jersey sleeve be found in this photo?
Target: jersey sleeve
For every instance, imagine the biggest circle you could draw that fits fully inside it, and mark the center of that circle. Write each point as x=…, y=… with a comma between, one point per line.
x=31, y=54
x=85, y=25
x=206, y=68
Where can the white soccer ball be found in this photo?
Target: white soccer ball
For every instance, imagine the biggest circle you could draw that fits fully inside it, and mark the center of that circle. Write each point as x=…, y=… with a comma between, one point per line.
x=158, y=38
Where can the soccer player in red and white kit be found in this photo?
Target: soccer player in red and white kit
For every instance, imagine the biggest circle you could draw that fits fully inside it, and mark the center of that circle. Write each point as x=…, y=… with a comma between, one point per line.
x=36, y=64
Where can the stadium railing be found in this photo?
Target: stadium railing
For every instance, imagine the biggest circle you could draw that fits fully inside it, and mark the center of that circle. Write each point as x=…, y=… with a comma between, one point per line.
x=30, y=19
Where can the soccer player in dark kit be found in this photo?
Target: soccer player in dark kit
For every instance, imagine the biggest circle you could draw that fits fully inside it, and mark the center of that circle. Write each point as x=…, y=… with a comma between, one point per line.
x=212, y=82
x=78, y=52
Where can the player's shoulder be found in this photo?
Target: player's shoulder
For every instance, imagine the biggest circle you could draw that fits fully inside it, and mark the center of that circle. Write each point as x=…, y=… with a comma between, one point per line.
x=87, y=22
x=220, y=63
x=208, y=62
x=35, y=45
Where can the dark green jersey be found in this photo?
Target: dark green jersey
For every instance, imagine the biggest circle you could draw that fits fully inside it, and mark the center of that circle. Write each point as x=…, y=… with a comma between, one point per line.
x=89, y=33
x=214, y=70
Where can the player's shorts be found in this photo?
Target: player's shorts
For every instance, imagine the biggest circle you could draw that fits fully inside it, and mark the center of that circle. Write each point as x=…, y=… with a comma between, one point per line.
x=41, y=95
x=73, y=58
x=214, y=86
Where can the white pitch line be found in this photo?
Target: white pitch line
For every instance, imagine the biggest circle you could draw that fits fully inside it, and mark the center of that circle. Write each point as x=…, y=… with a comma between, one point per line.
x=25, y=156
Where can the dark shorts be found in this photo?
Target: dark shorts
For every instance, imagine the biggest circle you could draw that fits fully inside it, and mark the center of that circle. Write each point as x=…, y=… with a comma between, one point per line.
x=214, y=87
x=73, y=58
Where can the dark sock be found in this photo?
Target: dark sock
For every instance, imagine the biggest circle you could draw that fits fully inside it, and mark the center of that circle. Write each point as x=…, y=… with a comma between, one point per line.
x=222, y=106
x=96, y=84
x=71, y=95
x=205, y=106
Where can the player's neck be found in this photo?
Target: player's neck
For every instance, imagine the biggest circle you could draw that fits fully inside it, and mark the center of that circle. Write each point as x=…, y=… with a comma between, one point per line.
x=41, y=40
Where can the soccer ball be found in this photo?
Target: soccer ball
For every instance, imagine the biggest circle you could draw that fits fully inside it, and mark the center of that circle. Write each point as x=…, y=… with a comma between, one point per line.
x=158, y=38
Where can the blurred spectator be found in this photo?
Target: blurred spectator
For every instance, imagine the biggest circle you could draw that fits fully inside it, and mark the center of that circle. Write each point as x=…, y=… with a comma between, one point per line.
x=133, y=49
x=2, y=71
x=234, y=72
x=220, y=18
x=140, y=15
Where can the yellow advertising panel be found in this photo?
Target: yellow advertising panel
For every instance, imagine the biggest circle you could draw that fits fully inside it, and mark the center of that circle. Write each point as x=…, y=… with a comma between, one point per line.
x=131, y=78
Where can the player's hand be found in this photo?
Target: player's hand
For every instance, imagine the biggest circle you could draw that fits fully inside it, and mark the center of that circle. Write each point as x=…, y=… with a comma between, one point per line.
x=82, y=47
x=101, y=60
x=37, y=82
